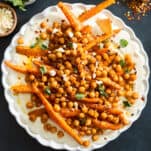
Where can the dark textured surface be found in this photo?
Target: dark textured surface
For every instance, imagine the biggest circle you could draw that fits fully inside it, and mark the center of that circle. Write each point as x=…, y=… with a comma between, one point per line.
x=137, y=138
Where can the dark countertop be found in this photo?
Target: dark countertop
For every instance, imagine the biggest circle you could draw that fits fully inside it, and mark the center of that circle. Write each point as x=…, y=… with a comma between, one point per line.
x=137, y=138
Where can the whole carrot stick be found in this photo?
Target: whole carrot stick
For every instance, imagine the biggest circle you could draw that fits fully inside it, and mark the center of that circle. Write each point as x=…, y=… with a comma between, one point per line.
x=56, y=117
x=35, y=52
x=69, y=113
x=75, y=23
x=106, y=125
x=21, y=69
x=94, y=10
x=22, y=89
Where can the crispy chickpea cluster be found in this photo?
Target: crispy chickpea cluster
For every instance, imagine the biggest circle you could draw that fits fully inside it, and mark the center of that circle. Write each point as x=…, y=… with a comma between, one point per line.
x=82, y=85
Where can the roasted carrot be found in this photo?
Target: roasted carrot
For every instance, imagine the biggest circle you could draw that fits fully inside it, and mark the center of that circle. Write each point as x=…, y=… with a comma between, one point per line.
x=69, y=113
x=75, y=23
x=105, y=25
x=56, y=117
x=37, y=112
x=35, y=52
x=21, y=69
x=106, y=125
x=39, y=64
x=86, y=29
x=115, y=111
x=22, y=89
x=90, y=100
x=100, y=39
x=101, y=51
x=109, y=82
x=98, y=107
x=94, y=10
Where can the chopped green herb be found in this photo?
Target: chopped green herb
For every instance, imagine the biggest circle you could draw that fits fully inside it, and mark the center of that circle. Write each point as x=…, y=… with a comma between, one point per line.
x=122, y=63
x=101, y=89
x=44, y=47
x=79, y=96
x=47, y=90
x=82, y=121
x=127, y=70
x=123, y=43
x=43, y=70
x=37, y=42
x=70, y=44
x=126, y=104
x=75, y=70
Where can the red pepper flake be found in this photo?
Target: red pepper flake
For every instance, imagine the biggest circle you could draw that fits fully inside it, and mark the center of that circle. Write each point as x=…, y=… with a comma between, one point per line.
x=142, y=98
x=138, y=8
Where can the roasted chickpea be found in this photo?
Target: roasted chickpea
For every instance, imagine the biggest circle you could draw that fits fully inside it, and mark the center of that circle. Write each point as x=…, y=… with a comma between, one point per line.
x=43, y=36
x=57, y=107
x=43, y=24
x=20, y=40
x=76, y=123
x=95, y=137
x=60, y=134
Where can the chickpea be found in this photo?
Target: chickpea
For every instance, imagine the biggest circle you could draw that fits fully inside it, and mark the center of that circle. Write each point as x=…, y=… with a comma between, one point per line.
x=93, y=131
x=109, y=91
x=20, y=40
x=47, y=126
x=60, y=134
x=61, y=90
x=117, y=59
x=92, y=94
x=64, y=104
x=29, y=105
x=88, y=77
x=104, y=73
x=110, y=117
x=76, y=123
x=43, y=24
x=115, y=78
x=44, y=118
x=91, y=112
x=103, y=115
x=88, y=122
x=95, y=137
x=52, y=57
x=82, y=89
x=61, y=40
x=135, y=95
x=57, y=107
x=127, y=87
x=78, y=34
x=31, y=77
x=67, y=72
x=98, y=73
x=115, y=104
x=69, y=121
x=118, y=68
x=32, y=117
x=96, y=114
x=49, y=30
x=85, y=41
x=43, y=36
x=69, y=89
x=116, y=120
x=81, y=115
x=98, y=57
x=70, y=104
x=55, y=24
x=86, y=143
x=44, y=78
x=92, y=60
x=84, y=109
x=126, y=76
x=133, y=77
x=93, y=84
x=59, y=55
x=105, y=56
x=53, y=129
x=68, y=65
x=54, y=84
x=81, y=133
x=88, y=132
x=67, y=83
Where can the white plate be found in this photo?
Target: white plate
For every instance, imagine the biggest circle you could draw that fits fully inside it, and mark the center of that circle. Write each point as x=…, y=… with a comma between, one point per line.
x=17, y=103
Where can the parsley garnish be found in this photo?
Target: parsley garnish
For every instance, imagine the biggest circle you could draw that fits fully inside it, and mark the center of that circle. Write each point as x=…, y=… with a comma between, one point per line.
x=82, y=121
x=44, y=47
x=47, y=90
x=126, y=104
x=38, y=42
x=101, y=89
x=70, y=44
x=79, y=96
x=43, y=70
x=123, y=43
x=122, y=63
x=127, y=70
